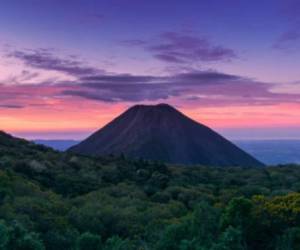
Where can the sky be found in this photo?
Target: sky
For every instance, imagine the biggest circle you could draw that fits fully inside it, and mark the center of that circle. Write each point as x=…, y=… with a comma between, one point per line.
x=67, y=67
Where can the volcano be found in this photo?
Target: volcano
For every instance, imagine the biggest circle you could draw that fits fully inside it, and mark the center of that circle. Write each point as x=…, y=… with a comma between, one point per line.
x=162, y=133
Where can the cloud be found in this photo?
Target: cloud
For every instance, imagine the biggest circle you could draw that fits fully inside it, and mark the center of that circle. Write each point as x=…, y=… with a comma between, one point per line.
x=46, y=60
x=119, y=93
x=287, y=39
x=178, y=48
x=206, y=87
x=134, y=88
x=291, y=36
x=206, y=76
x=209, y=88
x=203, y=88
x=23, y=77
x=133, y=42
x=11, y=106
x=190, y=77
x=119, y=78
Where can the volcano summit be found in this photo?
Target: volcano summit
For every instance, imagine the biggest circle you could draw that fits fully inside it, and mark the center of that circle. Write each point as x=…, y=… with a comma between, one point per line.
x=160, y=132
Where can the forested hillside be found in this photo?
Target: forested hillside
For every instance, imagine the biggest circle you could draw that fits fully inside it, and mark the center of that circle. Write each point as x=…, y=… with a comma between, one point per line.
x=53, y=200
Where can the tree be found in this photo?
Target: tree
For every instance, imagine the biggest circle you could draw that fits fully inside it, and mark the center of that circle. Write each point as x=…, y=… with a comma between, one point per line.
x=89, y=241
x=205, y=224
x=30, y=241
x=172, y=236
x=61, y=239
x=21, y=239
x=231, y=239
x=116, y=243
x=4, y=236
x=238, y=213
x=290, y=240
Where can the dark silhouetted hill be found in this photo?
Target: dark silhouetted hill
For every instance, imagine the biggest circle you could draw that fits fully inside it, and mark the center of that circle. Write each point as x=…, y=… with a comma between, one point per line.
x=160, y=132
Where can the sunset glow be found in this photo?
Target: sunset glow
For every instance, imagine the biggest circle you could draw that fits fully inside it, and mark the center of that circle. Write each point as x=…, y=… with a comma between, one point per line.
x=67, y=69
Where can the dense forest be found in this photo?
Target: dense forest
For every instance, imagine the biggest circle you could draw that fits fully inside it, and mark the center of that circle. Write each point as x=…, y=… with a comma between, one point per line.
x=53, y=200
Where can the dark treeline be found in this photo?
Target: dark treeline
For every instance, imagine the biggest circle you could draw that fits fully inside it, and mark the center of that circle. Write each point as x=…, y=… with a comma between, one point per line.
x=52, y=200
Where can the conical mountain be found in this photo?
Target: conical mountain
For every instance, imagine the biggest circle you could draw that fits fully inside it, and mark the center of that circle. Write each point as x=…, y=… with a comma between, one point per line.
x=160, y=132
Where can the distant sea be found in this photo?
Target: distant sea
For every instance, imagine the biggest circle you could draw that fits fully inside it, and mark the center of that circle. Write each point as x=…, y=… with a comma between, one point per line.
x=270, y=152
x=60, y=145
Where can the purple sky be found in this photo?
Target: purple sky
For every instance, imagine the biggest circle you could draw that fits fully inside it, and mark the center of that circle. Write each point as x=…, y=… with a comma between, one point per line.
x=236, y=58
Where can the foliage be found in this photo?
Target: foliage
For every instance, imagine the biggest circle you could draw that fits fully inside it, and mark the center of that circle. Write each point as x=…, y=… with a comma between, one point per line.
x=52, y=200
x=88, y=241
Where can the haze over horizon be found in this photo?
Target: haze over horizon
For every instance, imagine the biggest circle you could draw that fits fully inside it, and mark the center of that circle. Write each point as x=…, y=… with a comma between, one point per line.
x=69, y=67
